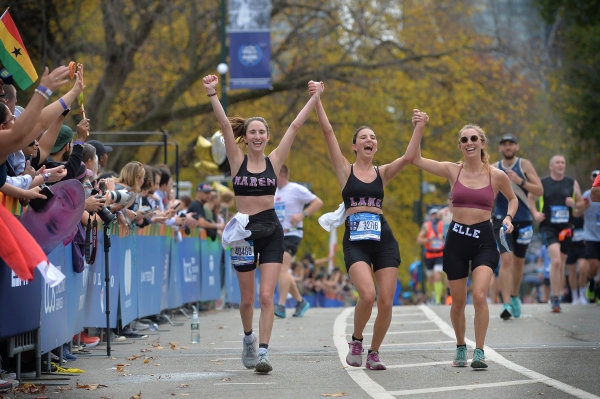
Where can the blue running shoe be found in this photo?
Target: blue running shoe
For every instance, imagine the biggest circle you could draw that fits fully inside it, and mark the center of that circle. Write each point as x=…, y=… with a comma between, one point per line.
x=67, y=355
x=478, y=359
x=516, y=306
x=507, y=312
x=280, y=311
x=263, y=365
x=556, y=305
x=460, y=359
x=301, y=308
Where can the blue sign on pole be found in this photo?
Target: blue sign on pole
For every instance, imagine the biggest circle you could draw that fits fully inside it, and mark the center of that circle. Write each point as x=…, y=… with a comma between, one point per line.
x=250, y=58
x=54, y=308
x=210, y=255
x=124, y=252
x=29, y=297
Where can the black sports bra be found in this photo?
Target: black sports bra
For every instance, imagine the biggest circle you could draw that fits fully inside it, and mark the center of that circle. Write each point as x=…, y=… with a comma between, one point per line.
x=359, y=193
x=255, y=184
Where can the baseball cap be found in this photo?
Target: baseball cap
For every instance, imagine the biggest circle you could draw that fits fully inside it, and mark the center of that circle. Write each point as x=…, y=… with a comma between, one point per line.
x=83, y=171
x=594, y=174
x=101, y=149
x=65, y=135
x=508, y=137
x=204, y=187
x=433, y=210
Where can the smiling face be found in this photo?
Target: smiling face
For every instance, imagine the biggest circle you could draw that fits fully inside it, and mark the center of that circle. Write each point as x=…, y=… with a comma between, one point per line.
x=471, y=142
x=365, y=143
x=256, y=136
x=508, y=149
x=57, y=220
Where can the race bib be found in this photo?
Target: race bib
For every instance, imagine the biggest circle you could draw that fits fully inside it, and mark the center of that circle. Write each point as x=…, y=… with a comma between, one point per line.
x=525, y=235
x=598, y=218
x=242, y=254
x=559, y=214
x=365, y=226
x=436, y=244
x=280, y=210
x=577, y=235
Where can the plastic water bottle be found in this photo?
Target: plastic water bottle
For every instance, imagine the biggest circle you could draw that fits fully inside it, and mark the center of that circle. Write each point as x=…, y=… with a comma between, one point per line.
x=195, y=327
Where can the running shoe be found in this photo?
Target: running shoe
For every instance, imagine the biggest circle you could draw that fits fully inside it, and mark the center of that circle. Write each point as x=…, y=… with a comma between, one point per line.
x=373, y=362
x=249, y=357
x=460, y=359
x=280, y=311
x=507, y=312
x=515, y=302
x=87, y=340
x=590, y=293
x=301, y=308
x=5, y=385
x=354, y=357
x=263, y=365
x=478, y=359
x=67, y=354
x=556, y=305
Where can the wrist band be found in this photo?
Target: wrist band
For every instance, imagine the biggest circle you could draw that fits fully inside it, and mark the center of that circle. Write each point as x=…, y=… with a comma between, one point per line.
x=509, y=215
x=210, y=95
x=48, y=92
x=41, y=93
x=46, y=177
x=81, y=143
x=63, y=103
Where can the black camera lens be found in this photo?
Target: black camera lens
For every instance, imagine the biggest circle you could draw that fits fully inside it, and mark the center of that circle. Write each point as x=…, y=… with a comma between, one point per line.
x=106, y=216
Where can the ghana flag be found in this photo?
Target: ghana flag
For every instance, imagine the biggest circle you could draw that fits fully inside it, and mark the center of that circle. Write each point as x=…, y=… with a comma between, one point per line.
x=13, y=54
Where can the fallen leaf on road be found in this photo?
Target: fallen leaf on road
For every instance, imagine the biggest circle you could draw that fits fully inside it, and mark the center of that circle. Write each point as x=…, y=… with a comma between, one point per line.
x=90, y=387
x=147, y=361
x=113, y=358
x=138, y=396
x=145, y=350
x=159, y=347
x=335, y=395
x=157, y=364
x=173, y=343
x=134, y=357
x=226, y=379
x=222, y=327
x=185, y=394
x=184, y=347
x=119, y=369
x=183, y=386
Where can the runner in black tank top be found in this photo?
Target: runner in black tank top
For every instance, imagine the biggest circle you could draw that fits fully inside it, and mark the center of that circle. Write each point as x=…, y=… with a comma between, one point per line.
x=255, y=182
x=368, y=238
x=561, y=195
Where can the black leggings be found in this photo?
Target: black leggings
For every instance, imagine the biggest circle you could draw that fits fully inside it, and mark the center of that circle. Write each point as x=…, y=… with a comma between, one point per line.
x=474, y=244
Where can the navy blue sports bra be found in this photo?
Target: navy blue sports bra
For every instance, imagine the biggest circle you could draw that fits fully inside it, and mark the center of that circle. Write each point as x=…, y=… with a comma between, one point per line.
x=359, y=193
x=255, y=184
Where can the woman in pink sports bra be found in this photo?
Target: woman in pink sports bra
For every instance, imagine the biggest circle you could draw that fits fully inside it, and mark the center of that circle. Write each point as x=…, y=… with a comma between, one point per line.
x=470, y=239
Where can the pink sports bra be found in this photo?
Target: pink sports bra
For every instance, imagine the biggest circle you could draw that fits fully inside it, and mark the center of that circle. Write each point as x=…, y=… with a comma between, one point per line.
x=465, y=197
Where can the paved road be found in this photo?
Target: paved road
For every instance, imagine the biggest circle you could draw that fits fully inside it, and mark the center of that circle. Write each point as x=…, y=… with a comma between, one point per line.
x=540, y=355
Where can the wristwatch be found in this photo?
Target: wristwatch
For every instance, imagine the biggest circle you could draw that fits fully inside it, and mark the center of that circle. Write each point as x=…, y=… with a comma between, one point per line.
x=305, y=214
x=522, y=183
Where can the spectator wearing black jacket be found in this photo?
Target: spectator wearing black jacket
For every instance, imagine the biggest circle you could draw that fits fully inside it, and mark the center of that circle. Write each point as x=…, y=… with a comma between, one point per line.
x=66, y=153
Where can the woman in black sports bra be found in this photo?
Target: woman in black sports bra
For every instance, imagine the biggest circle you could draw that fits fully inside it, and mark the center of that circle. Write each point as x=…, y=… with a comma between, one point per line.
x=254, y=185
x=368, y=239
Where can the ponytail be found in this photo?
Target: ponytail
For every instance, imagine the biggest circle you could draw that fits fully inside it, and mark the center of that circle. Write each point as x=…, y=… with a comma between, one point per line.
x=239, y=126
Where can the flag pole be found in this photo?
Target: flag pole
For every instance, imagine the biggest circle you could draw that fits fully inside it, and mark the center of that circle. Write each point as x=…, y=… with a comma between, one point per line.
x=3, y=14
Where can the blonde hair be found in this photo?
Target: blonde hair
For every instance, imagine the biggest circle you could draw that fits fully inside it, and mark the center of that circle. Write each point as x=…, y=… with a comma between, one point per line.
x=130, y=173
x=485, y=157
x=239, y=126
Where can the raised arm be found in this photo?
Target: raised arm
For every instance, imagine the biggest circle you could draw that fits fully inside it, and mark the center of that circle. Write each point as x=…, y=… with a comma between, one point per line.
x=441, y=169
x=22, y=132
x=234, y=153
x=279, y=154
x=48, y=138
x=341, y=165
x=419, y=121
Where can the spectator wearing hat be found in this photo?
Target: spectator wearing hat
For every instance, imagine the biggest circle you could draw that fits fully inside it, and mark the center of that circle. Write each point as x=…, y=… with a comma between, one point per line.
x=66, y=153
x=102, y=152
x=196, y=208
x=432, y=237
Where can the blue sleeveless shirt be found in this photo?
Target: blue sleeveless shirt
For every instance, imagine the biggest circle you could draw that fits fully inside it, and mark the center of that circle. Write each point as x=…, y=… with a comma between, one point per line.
x=523, y=213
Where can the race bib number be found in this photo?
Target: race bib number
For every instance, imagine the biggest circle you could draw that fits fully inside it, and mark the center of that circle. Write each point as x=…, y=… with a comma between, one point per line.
x=242, y=254
x=577, y=235
x=525, y=235
x=280, y=210
x=365, y=226
x=436, y=244
x=559, y=214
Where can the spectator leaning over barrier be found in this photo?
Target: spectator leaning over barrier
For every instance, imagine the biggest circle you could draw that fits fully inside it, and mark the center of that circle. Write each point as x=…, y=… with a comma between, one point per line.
x=102, y=152
x=196, y=208
x=164, y=186
x=125, y=190
x=17, y=159
x=67, y=153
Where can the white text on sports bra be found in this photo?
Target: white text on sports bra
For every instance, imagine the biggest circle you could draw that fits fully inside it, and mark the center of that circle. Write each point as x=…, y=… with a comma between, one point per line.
x=254, y=182
x=370, y=202
x=458, y=228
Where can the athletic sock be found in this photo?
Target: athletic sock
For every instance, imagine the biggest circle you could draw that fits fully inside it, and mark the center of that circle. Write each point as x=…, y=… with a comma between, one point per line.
x=575, y=295
x=356, y=339
x=582, y=292
x=248, y=336
x=463, y=346
x=263, y=349
x=438, y=287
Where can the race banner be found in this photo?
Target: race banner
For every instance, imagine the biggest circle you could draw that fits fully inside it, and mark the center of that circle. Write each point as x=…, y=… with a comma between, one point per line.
x=250, y=44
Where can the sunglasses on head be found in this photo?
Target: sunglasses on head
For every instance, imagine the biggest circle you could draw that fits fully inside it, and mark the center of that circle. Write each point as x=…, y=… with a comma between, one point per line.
x=465, y=139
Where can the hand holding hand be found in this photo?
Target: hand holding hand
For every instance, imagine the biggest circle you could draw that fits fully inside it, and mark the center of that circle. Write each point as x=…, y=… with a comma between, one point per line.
x=210, y=83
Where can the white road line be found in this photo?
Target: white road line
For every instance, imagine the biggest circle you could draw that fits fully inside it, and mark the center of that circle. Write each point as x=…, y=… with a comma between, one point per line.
x=401, y=332
x=420, y=343
x=244, y=383
x=396, y=323
x=358, y=375
x=399, y=366
x=463, y=387
x=496, y=357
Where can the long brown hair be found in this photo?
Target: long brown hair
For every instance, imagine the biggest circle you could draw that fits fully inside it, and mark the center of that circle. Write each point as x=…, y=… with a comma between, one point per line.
x=485, y=157
x=239, y=126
